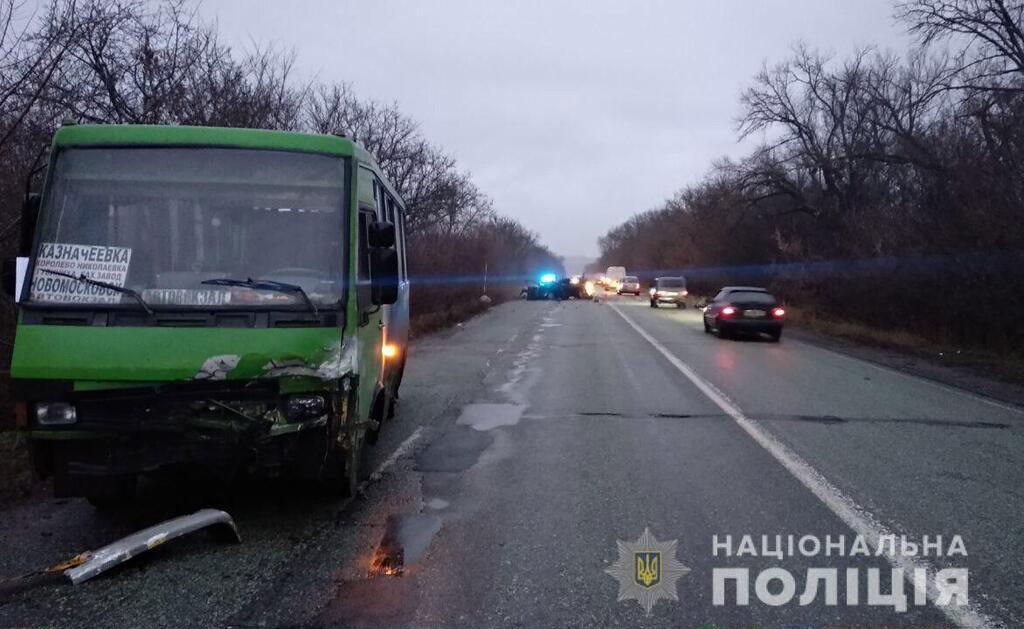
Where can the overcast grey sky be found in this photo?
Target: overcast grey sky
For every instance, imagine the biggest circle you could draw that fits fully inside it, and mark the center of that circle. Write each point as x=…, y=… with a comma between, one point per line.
x=571, y=115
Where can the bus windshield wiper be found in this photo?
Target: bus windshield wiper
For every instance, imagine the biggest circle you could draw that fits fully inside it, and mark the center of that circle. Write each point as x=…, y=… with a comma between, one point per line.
x=114, y=287
x=280, y=287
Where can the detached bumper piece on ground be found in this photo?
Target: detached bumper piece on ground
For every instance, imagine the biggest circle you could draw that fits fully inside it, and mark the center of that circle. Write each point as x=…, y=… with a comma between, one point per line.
x=89, y=564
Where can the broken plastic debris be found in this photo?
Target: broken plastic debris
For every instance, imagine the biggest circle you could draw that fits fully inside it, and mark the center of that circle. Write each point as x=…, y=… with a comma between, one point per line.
x=88, y=565
x=217, y=367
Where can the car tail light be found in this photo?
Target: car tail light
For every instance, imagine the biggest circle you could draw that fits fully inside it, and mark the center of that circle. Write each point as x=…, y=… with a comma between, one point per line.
x=778, y=313
x=728, y=311
x=685, y=293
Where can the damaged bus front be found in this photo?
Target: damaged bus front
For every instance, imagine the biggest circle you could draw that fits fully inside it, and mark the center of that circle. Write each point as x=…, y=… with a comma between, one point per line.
x=207, y=300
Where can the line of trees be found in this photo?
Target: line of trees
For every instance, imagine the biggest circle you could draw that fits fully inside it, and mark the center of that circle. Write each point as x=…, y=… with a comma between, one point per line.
x=157, y=62
x=886, y=190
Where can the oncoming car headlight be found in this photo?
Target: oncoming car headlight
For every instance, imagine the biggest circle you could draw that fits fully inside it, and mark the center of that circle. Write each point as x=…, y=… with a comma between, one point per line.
x=56, y=414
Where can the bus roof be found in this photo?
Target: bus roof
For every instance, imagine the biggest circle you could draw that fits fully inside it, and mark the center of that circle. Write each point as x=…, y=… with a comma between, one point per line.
x=170, y=135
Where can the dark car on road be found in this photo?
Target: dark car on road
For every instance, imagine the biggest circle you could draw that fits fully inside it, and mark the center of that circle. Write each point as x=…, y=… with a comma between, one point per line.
x=571, y=288
x=552, y=287
x=739, y=309
x=669, y=290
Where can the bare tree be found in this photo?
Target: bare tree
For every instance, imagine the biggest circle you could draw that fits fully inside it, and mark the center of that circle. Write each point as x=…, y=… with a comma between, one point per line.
x=990, y=31
x=437, y=194
x=29, y=58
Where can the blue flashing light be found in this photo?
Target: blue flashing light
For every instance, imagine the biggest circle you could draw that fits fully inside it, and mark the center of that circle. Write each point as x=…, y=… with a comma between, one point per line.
x=548, y=278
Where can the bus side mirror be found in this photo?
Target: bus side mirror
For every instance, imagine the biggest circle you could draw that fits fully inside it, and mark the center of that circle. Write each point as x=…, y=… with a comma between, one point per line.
x=382, y=234
x=384, y=276
x=29, y=218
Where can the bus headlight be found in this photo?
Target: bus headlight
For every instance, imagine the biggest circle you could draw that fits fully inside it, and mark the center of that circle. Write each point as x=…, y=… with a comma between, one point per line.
x=303, y=407
x=56, y=414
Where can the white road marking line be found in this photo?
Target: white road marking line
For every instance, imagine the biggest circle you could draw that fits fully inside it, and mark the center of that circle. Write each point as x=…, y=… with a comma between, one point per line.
x=861, y=521
x=399, y=452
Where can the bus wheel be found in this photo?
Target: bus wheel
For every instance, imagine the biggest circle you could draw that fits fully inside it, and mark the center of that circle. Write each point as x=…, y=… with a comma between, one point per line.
x=341, y=479
x=379, y=412
x=350, y=470
x=339, y=475
x=398, y=380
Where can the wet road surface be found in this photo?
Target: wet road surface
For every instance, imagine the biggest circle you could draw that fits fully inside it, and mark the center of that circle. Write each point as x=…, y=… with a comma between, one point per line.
x=532, y=439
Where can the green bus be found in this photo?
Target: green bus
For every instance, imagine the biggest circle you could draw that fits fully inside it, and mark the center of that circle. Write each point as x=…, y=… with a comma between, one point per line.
x=207, y=301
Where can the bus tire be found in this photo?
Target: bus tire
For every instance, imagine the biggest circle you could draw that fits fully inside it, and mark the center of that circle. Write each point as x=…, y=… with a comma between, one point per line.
x=379, y=412
x=398, y=378
x=339, y=475
x=350, y=471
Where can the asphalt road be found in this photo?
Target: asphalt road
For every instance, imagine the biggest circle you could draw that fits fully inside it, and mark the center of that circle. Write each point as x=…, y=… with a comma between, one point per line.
x=535, y=437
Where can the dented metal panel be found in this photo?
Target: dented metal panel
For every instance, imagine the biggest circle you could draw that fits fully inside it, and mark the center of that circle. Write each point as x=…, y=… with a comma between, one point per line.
x=99, y=561
x=338, y=359
x=166, y=354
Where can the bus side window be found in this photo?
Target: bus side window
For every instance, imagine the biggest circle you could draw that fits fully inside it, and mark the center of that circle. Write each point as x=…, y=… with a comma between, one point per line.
x=365, y=218
x=394, y=216
x=380, y=195
x=400, y=237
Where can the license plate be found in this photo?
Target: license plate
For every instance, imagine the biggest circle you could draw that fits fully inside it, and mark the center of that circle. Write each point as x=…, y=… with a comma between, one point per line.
x=754, y=313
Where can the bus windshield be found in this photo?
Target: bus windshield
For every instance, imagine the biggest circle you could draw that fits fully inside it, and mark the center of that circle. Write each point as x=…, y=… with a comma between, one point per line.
x=162, y=221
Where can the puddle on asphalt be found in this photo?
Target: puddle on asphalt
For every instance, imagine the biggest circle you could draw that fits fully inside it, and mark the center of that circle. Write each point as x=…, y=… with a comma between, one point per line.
x=456, y=450
x=484, y=417
x=406, y=539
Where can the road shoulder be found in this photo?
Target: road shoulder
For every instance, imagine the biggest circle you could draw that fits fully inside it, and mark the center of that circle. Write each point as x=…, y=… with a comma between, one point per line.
x=980, y=377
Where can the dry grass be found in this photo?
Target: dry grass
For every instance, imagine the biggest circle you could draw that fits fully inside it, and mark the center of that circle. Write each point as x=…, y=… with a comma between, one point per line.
x=1002, y=366
x=859, y=332
x=433, y=321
